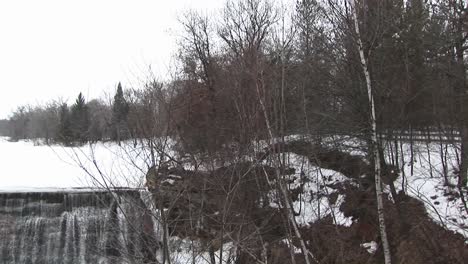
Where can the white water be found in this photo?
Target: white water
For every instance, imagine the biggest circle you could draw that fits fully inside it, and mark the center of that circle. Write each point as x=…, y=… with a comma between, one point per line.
x=75, y=228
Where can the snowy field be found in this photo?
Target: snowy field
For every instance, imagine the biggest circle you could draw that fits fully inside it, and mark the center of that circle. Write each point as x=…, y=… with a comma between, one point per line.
x=26, y=166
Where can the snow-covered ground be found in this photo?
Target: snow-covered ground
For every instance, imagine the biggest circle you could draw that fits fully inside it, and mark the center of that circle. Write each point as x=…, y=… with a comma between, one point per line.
x=427, y=184
x=186, y=251
x=313, y=204
x=26, y=166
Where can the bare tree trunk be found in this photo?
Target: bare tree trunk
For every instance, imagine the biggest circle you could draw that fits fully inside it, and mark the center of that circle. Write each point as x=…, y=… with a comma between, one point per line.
x=212, y=255
x=402, y=167
x=374, y=145
x=428, y=147
x=390, y=149
x=411, y=149
x=463, y=179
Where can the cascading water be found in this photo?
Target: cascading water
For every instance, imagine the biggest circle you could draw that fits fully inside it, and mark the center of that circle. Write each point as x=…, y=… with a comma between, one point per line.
x=76, y=227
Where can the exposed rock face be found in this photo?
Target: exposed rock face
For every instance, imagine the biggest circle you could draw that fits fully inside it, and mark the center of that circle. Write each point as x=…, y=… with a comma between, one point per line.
x=75, y=227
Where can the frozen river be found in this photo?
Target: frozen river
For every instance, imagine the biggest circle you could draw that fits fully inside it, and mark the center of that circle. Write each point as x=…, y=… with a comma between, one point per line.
x=25, y=166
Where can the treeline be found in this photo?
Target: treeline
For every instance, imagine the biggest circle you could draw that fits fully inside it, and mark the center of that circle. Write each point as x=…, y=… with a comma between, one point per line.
x=130, y=114
x=80, y=122
x=258, y=65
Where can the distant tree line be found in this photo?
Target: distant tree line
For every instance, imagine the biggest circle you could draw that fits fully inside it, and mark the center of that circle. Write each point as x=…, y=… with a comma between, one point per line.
x=58, y=122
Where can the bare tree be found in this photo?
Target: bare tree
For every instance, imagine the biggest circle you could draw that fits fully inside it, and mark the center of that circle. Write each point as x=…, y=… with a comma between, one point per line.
x=374, y=146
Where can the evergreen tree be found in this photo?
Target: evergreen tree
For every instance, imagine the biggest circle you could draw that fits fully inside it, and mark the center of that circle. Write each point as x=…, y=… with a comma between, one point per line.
x=4, y=127
x=65, y=134
x=120, y=111
x=80, y=119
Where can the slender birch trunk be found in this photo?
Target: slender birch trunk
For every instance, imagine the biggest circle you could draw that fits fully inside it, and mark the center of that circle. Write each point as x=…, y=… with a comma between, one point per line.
x=378, y=170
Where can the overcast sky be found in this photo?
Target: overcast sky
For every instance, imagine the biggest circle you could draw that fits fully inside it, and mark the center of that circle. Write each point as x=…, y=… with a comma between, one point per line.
x=57, y=48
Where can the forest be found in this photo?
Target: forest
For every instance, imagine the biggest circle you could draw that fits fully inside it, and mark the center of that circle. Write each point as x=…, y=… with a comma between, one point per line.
x=262, y=79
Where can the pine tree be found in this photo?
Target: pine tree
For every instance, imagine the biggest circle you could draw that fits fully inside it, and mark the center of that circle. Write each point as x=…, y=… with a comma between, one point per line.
x=65, y=134
x=80, y=119
x=120, y=111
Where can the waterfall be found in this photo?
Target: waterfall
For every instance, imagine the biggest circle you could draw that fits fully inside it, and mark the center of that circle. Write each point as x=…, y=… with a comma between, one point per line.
x=76, y=226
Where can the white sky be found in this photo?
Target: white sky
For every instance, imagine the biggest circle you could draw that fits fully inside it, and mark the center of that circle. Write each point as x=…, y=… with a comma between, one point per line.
x=57, y=48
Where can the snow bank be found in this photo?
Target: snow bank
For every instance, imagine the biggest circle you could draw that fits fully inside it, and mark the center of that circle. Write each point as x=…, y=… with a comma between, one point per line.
x=370, y=247
x=314, y=202
x=185, y=251
x=439, y=200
